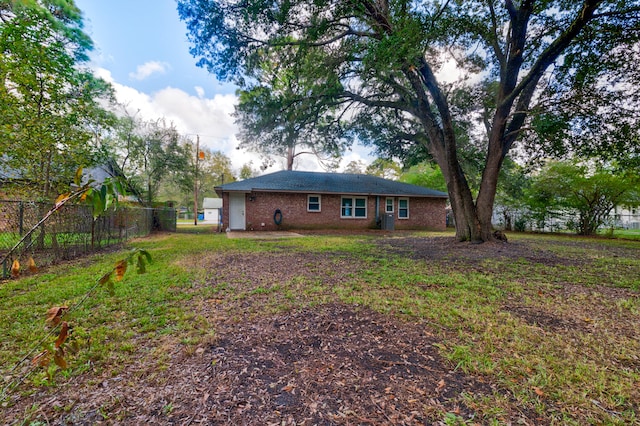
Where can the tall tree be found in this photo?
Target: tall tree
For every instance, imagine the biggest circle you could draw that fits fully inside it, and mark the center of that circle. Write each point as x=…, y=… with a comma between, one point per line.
x=148, y=154
x=425, y=174
x=565, y=188
x=162, y=157
x=274, y=124
x=247, y=171
x=355, y=167
x=520, y=65
x=214, y=168
x=384, y=168
x=48, y=101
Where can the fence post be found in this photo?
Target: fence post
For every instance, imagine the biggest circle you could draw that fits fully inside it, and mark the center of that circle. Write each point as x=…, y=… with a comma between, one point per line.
x=21, y=218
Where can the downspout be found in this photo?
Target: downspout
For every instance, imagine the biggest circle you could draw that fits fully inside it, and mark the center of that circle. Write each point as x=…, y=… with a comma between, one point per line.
x=377, y=209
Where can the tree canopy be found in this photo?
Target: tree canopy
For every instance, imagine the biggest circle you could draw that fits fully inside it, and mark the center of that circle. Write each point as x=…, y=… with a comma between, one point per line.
x=48, y=101
x=589, y=193
x=454, y=81
x=276, y=129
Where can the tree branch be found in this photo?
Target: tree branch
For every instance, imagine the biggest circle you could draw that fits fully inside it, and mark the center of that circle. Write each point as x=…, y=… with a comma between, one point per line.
x=494, y=38
x=376, y=103
x=553, y=51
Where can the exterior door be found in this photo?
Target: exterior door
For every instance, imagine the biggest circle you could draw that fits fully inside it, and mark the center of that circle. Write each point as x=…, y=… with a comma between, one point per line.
x=236, y=212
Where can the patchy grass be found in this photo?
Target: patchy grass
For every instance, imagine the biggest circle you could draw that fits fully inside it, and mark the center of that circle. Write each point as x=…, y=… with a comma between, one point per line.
x=551, y=322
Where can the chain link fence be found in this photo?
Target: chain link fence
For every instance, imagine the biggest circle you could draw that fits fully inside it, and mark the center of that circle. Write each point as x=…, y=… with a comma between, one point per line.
x=70, y=232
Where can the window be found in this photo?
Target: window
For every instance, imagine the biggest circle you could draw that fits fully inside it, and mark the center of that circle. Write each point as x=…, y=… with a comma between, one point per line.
x=389, y=205
x=313, y=203
x=403, y=208
x=353, y=207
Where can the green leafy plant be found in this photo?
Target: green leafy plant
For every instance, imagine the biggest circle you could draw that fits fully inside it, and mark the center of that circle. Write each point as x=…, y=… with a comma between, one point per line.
x=55, y=315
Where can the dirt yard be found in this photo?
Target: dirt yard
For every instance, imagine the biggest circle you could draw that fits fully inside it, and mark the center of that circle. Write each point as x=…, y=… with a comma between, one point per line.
x=328, y=364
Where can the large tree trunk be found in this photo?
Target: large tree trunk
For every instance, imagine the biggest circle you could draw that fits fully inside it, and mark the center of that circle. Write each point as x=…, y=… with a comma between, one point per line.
x=290, y=158
x=443, y=147
x=467, y=223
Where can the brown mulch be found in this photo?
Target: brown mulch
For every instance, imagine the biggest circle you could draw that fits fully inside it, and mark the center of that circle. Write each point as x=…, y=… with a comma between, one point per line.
x=329, y=364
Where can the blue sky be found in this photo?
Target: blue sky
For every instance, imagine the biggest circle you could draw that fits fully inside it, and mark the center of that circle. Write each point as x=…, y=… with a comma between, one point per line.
x=141, y=47
x=131, y=33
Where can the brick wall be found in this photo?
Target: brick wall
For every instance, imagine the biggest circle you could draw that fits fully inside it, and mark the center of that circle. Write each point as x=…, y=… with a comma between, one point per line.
x=424, y=213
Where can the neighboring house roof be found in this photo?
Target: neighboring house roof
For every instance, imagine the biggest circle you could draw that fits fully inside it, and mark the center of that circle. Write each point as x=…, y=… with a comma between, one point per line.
x=212, y=203
x=328, y=183
x=7, y=172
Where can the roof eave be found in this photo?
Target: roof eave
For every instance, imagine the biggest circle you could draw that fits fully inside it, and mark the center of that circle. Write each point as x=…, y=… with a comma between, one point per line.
x=219, y=191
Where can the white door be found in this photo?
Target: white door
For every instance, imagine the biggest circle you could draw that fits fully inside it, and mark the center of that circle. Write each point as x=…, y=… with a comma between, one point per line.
x=236, y=211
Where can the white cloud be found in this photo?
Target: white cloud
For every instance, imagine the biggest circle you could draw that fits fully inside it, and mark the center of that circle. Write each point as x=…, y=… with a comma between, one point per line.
x=147, y=69
x=209, y=118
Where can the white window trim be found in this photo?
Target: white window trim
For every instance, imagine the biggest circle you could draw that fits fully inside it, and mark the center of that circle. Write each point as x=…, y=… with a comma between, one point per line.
x=353, y=207
x=386, y=205
x=319, y=203
x=408, y=214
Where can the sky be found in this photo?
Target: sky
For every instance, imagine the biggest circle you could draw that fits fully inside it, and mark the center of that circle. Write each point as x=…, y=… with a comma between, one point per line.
x=141, y=47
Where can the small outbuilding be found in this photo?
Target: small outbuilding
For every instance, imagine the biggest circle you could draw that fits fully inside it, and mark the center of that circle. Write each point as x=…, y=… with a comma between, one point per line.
x=315, y=200
x=212, y=210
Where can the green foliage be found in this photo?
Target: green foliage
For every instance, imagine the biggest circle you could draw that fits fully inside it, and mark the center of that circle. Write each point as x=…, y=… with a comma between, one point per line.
x=146, y=155
x=247, y=171
x=355, y=167
x=433, y=80
x=588, y=192
x=274, y=124
x=384, y=168
x=425, y=174
x=213, y=170
x=48, y=101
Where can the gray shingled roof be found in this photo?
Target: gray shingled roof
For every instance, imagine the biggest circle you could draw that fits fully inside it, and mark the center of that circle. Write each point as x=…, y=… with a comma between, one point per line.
x=328, y=183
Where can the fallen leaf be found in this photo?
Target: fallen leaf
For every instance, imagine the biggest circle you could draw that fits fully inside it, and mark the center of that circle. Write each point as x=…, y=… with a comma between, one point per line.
x=288, y=388
x=440, y=386
x=538, y=391
x=587, y=319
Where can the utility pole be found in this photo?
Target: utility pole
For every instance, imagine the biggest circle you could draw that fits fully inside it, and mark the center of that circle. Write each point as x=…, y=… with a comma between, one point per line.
x=195, y=183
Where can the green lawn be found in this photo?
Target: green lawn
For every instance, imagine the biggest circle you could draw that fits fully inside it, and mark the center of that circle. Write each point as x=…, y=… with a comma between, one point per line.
x=627, y=233
x=550, y=321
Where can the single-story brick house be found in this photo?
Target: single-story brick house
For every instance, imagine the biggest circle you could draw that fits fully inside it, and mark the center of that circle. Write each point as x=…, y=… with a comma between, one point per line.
x=313, y=200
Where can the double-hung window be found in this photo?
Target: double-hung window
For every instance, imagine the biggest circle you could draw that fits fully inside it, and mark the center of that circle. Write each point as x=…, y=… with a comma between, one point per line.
x=353, y=207
x=313, y=203
x=403, y=208
x=388, y=207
